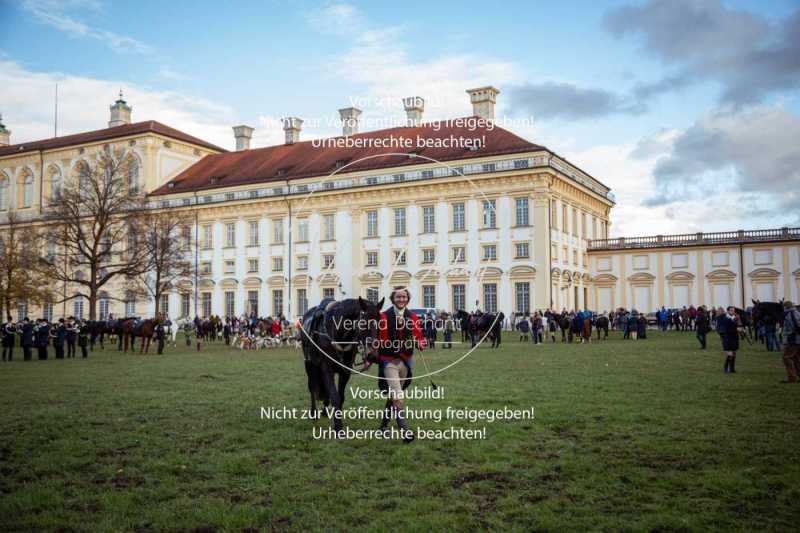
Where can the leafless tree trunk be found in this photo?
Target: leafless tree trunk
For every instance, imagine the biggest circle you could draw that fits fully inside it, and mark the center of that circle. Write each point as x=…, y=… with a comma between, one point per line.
x=167, y=241
x=97, y=229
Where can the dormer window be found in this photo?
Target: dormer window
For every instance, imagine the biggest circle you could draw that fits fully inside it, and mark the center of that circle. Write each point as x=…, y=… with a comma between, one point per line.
x=281, y=172
x=171, y=185
x=215, y=179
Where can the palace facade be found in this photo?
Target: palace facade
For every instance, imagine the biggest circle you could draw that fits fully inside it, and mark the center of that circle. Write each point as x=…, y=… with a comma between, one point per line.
x=464, y=213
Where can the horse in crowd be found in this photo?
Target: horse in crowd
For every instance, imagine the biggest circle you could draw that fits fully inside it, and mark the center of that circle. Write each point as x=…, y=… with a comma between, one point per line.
x=601, y=323
x=143, y=329
x=332, y=334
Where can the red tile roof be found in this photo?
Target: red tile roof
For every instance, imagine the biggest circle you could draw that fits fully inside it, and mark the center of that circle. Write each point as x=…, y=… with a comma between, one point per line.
x=303, y=159
x=150, y=126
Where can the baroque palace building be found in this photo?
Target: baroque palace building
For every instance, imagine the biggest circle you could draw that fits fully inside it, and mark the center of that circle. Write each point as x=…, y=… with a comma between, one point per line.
x=464, y=213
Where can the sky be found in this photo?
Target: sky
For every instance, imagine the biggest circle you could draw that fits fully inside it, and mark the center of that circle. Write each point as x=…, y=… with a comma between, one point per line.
x=688, y=109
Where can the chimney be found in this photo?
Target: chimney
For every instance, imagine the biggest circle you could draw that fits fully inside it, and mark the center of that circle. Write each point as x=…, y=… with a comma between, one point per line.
x=349, y=116
x=414, y=105
x=5, y=135
x=242, y=134
x=291, y=126
x=120, y=113
x=483, y=100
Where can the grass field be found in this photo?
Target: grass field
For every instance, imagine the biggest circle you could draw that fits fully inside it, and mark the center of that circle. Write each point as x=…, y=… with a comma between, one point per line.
x=645, y=435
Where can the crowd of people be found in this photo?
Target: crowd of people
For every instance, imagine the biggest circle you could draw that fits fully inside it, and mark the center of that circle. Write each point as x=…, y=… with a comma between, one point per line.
x=69, y=334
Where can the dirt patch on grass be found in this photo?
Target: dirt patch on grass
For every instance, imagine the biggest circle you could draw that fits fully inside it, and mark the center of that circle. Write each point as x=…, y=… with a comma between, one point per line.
x=497, y=478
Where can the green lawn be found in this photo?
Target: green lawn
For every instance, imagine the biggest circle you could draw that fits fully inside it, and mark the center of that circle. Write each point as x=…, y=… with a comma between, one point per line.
x=628, y=435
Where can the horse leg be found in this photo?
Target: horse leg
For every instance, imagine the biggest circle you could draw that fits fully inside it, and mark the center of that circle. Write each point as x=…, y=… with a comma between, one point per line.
x=333, y=394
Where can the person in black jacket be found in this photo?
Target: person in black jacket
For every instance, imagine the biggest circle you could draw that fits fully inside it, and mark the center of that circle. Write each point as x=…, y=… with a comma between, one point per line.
x=26, y=339
x=9, y=329
x=83, y=337
x=160, y=335
x=42, y=338
x=59, y=335
x=71, y=337
x=728, y=328
x=702, y=326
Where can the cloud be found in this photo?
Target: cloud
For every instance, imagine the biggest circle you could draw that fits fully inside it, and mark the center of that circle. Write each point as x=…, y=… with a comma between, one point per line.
x=567, y=101
x=747, y=54
x=168, y=73
x=377, y=60
x=83, y=106
x=53, y=13
x=752, y=153
x=336, y=18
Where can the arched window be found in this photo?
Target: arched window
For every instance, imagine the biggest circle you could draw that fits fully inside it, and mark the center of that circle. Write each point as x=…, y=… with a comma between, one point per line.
x=133, y=175
x=78, y=308
x=26, y=186
x=130, y=304
x=3, y=192
x=103, y=304
x=55, y=185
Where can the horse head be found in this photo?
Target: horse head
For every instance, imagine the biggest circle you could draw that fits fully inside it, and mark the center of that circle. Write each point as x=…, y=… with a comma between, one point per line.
x=367, y=325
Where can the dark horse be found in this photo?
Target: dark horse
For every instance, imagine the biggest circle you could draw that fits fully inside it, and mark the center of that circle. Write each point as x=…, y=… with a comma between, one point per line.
x=486, y=325
x=464, y=321
x=601, y=322
x=144, y=329
x=331, y=335
x=767, y=313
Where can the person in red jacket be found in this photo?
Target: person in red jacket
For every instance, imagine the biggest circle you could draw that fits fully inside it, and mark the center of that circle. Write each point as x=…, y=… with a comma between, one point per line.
x=399, y=331
x=276, y=327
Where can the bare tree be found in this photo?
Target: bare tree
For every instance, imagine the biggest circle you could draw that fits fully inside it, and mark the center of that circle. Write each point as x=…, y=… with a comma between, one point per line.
x=167, y=242
x=21, y=274
x=97, y=229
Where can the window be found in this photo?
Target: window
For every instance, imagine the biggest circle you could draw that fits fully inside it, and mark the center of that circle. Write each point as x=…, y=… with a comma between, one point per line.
x=520, y=163
x=27, y=190
x=459, y=297
x=328, y=292
x=277, y=227
x=400, y=221
x=564, y=218
x=302, y=302
x=459, y=254
x=553, y=214
x=428, y=255
x=372, y=223
x=328, y=261
x=186, y=236
x=206, y=299
x=522, y=211
x=22, y=311
x=130, y=305
x=302, y=262
x=230, y=234
x=47, y=311
x=103, y=304
x=489, y=167
x=523, y=293
x=489, y=214
x=641, y=262
x=399, y=257
x=252, y=302
x=207, y=236
x=522, y=250
x=3, y=193
x=163, y=305
x=252, y=265
x=594, y=227
x=575, y=257
x=564, y=255
x=253, y=233
x=51, y=250
x=399, y=177
x=429, y=296
x=230, y=302
x=185, y=304
x=372, y=259
x=329, y=227
x=490, y=252
x=373, y=294
x=584, y=229
x=277, y=302
x=428, y=219
x=490, y=297
x=277, y=264
x=77, y=308
x=459, y=217
x=230, y=266
x=205, y=268
x=55, y=186
x=302, y=229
